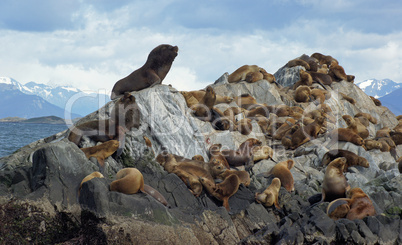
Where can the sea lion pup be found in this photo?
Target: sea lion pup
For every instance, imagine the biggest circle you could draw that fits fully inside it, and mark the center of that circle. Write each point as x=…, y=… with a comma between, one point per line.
x=130, y=181
x=357, y=127
x=243, y=155
x=282, y=171
x=198, y=158
x=360, y=204
x=224, y=190
x=262, y=152
x=305, y=79
x=202, y=110
x=153, y=72
x=347, y=98
x=308, y=132
x=370, y=144
x=372, y=119
x=351, y=158
x=298, y=62
x=324, y=59
x=243, y=175
x=270, y=195
x=377, y=102
x=101, y=151
x=334, y=185
x=95, y=174
x=302, y=94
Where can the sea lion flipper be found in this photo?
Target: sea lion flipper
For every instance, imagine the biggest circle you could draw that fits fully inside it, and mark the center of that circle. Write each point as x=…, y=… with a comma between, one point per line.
x=226, y=203
x=155, y=194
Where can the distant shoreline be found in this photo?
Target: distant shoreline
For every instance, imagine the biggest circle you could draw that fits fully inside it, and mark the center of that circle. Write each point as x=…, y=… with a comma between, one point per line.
x=37, y=120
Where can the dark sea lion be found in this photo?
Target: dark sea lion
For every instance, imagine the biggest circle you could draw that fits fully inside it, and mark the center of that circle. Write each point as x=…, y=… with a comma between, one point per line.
x=102, y=151
x=153, y=72
x=351, y=158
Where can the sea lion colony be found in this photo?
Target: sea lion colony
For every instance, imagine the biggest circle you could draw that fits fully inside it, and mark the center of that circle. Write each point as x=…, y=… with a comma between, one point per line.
x=291, y=126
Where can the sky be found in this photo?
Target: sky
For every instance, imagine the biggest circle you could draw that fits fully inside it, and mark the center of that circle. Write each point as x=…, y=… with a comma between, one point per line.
x=92, y=44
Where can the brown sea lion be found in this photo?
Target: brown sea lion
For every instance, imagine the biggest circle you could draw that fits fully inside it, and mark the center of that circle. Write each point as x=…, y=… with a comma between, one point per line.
x=224, y=190
x=244, y=99
x=191, y=101
x=320, y=95
x=244, y=126
x=243, y=155
x=101, y=151
x=298, y=62
x=241, y=73
x=383, y=132
x=356, y=126
x=347, y=98
x=377, y=102
x=312, y=62
x=95, y=174
x=337, y=72
x=323, y=59
x=351, y=158
x=334, y=185
x=270, y=195
x=338, y=208
x=320, y=78
x=244, y=176
x=282, y=171
x=281, y=131
x=308, y=132
x=323, y=69
x=305, y=79
x=130, y=181
x=372, y=119
x=287, y=138
x=364, y=121
x=153, y=72
x=396, y=137
x=345, y=134
x=198, y=158
x=398, y=127
x=262, y=152
x=302, y=94
x=199, y=94
x=370, y=144
x=202, y=110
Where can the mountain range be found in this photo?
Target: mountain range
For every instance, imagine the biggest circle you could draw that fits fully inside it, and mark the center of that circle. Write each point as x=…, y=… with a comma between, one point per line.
x=378, y=88
x=45, y=100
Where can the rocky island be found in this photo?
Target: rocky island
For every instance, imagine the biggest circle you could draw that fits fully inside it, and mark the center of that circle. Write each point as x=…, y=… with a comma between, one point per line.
x=41, y=200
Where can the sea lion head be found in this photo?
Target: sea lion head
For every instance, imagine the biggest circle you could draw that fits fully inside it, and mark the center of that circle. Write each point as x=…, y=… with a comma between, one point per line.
x=162, y=54
x=338, y=163
x=276, y=182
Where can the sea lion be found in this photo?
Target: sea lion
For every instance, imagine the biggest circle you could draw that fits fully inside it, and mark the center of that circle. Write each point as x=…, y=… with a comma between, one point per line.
x=287, y=138
x=320, y=95
x=383, y=132
x=308, y=132
x=241, y=73
x=312, y=62
x=323, y=59
x=282, y=171
x=377, y=102
x=243, y=155
x=244, y=126
x=320, y=78
x=302, y=94
x=396, y=137
x=305, y=79
x=356, y=126
x=153, y=72
x=372, y=119
x=199, y=94
x=387, y=144
x=95, y=174
x=253, y=77
x=338, y=208
x=323, y=69
x=351, y=158
x=281, y=131
x=224, y=190
x=334, y=185
x=298, y=62
x=191, y=101
x=101, y=151
x=130, y=181
x=202, y=110
x=262, y=152
x=345, y=134
x=347, y=98
x=337, y=72
x=370, y=144
x=244, y=99
x=270, y=195
x=360, y=204
x=398, y=127
x=364, y=121
x=244, y=176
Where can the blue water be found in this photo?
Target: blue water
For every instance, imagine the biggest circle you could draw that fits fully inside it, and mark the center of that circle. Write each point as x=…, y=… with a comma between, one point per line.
x=16, y=135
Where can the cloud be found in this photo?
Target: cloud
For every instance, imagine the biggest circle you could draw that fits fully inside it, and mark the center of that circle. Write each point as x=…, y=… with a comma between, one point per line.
x=109, y=41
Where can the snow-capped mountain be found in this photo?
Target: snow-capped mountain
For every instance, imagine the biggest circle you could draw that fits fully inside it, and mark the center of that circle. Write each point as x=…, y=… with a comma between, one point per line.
x=378, y=88
x=393, y=101
x=66, y=97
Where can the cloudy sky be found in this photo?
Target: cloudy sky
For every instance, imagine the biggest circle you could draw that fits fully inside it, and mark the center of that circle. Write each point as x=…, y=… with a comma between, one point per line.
x=92, y=44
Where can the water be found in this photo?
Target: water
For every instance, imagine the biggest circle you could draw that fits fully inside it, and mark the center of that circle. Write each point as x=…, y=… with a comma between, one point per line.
x=16, y=135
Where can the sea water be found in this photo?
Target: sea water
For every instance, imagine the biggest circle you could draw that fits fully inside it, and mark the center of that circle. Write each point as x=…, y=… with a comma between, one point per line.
x=16, y=135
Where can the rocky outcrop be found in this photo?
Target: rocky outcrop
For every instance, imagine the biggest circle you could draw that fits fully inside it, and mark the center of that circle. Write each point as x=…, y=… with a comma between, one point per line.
x=47, y=174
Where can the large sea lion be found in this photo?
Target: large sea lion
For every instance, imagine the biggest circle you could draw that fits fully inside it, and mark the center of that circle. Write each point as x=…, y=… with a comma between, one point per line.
x=153, y=72
x=270, y=195
x=308, y=132
x=243, y=155
x=351, y=158
x=282, y=171
x=130, y=181
x=243, y=175
x=334, y=184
